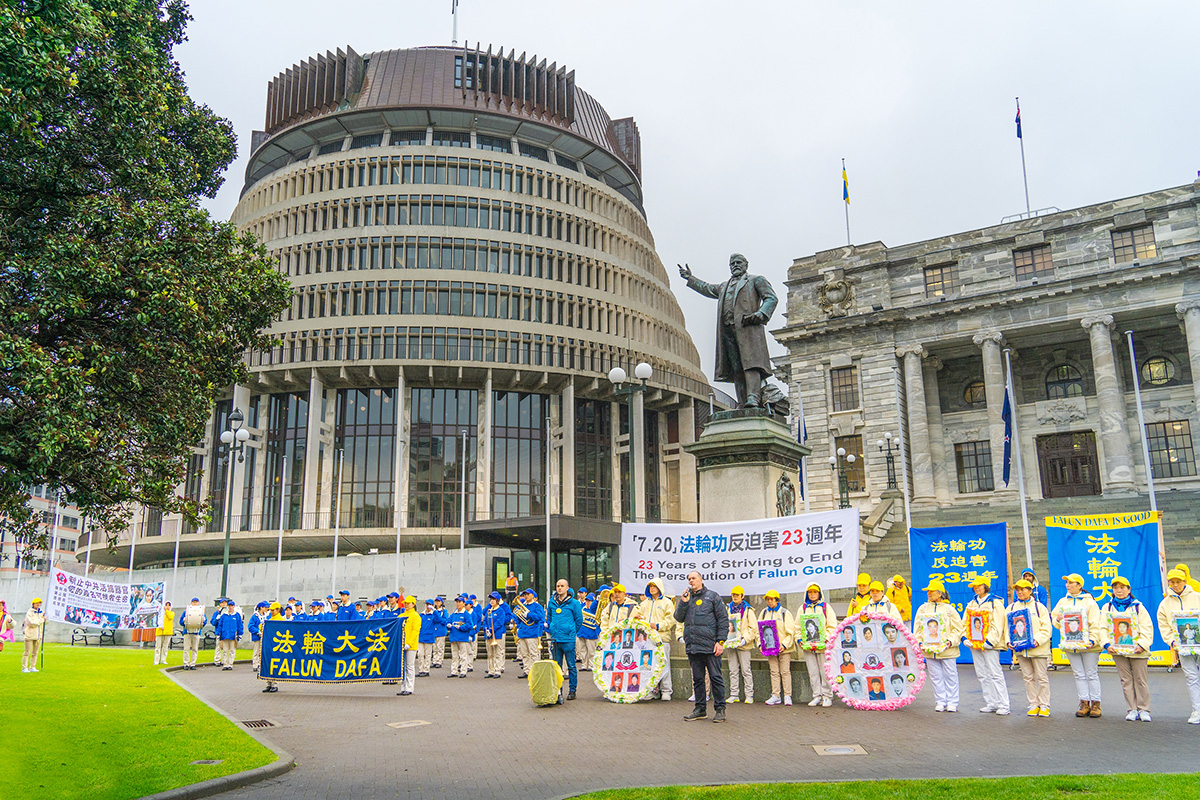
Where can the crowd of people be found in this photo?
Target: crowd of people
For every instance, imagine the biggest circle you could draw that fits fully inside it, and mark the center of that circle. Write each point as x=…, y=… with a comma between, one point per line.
x=572, y=621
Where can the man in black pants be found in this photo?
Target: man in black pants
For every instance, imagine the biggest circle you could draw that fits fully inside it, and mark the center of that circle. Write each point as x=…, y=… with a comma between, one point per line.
x=705, y=622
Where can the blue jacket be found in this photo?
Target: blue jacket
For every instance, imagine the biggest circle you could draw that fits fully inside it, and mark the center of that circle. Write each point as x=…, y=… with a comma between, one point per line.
x=255, y=627
x=590, y=631
x=462, y=626
x=300, y=617
x=325, y=616
x=228, y=626
x=1039, y=591
x=563, y=620
x=347, y=613
x=477, y=615
x=441, y=619
x=495, y=621
x=428, y=634
x=537, y=622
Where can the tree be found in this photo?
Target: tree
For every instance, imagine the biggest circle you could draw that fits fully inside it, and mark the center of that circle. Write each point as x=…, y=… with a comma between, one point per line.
x=125, y=310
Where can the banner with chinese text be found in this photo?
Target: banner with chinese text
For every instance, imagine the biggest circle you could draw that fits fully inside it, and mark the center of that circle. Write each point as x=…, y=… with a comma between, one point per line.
x=333, y=652
x=782, y=553
x=955, y=556
x=80, y=600
x=1100, y=547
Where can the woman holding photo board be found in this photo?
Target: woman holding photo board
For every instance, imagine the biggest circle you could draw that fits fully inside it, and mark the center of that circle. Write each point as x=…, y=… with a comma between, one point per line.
x=1077, y=618
x=1127, y=635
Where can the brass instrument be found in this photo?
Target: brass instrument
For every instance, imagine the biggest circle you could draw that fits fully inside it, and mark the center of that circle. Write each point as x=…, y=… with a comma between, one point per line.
x=602, y=601
x=520, y=611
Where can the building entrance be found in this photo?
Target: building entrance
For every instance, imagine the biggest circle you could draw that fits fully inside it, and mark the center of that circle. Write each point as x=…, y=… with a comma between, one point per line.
x=1068, y=465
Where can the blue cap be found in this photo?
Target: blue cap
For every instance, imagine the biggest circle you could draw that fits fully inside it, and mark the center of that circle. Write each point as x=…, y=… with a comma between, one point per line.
x=230, y=602
x=428, y=602
x=591, y=596
x=290, y=599
x=530, y=591
x=263, y=604
x=328, y=597
x=343, y=591
x=195, y=599
x=472, y=597
x=461, y=597
x=604, y=586
x=495, y=596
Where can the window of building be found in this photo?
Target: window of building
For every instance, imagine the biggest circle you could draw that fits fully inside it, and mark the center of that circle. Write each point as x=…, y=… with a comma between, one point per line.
x=366, y=431
x=593, y=459
x=287, y=437
x=1171, y=450
x=856, y=473
x=1158, y=371
x=974, y=462
x=844, y=381
x=493, y=143
x=519, y=454
x=400, y=138
x=464, y=79
x=533, y=151
x=1034, y=262
x=436, y=460
x=568, y=163
x=941, y=281
x=369, y=140
x=1133, y=244
x=329, y=147
x=1064, y=381
x=975, y=395
x=451, y=139
x=652, y=501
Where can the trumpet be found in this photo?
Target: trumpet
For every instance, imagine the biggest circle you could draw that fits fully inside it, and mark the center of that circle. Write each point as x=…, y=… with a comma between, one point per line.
x=520, y=612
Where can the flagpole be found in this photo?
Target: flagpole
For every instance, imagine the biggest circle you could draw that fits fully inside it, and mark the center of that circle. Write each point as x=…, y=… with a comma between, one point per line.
x=846, y=199
x=801, y=430
x=1024, y=174
x=1137, y=393
x=279, y=547
x=454, y=13
x=1016, y=451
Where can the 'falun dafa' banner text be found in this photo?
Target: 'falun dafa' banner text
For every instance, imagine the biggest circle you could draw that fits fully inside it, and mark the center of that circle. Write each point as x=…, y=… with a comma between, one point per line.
x=1100, y=547
x=333, y=652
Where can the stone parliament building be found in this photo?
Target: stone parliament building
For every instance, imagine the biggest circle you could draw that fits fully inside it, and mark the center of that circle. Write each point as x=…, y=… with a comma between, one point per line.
x=911, y=340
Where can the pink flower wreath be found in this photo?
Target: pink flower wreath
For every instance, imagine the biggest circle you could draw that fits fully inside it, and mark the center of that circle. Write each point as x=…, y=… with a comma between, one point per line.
x=915, y=671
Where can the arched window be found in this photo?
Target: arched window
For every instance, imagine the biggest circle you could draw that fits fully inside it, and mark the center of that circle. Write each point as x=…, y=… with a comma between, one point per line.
x=975, y=395
x=1064, y=381
x=1158, y=371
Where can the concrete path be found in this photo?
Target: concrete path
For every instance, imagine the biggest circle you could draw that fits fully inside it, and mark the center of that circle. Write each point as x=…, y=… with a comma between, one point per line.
x=485, y=739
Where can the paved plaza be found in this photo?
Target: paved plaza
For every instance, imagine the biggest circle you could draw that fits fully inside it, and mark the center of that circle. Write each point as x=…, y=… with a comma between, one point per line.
x=486, y=739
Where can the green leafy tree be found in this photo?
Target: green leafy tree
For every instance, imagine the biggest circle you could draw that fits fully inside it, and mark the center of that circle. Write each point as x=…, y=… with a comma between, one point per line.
x=125, y=310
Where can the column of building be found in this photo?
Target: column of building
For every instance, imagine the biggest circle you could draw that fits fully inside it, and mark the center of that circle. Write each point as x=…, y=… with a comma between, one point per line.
x=403, y=433
x=312, y=450
x=568, y=449
x=483, y=451
x=1188, y=313
x=637, y=452
x=918, y=424
x=937, y=439
x=1114, y=435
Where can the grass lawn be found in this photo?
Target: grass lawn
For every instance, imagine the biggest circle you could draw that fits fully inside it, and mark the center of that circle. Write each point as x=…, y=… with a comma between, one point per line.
x=1093, y=787
x=105, y=724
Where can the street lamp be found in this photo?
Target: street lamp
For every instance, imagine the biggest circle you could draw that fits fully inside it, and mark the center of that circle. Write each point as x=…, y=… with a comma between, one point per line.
x=234, y=439
x=839, y=464
x=617, y=376
x=889, y=446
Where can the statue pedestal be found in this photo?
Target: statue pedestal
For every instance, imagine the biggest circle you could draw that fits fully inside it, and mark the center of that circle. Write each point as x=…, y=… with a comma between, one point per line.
x=749, y=465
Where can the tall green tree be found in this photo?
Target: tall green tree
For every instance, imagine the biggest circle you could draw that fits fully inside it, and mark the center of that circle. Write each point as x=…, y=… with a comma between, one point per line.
x=125, y=310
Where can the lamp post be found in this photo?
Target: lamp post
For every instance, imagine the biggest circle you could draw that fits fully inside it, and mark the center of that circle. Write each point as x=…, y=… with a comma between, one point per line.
x=617, y=376
x=234, y=439
x=890, y=445
x=839, y=463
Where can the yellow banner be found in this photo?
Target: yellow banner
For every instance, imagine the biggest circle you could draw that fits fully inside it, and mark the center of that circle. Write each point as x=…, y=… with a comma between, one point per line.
x=1158, y=658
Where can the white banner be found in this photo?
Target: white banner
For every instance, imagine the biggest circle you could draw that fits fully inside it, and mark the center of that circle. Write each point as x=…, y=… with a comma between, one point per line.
x=782, y=553
x=79, y=600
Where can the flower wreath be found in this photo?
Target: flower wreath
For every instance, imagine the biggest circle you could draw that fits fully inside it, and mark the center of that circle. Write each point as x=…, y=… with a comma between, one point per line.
x=603, y=678
x=915, y=672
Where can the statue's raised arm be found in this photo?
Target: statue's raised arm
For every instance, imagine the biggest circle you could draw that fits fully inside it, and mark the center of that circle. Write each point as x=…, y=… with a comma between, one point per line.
x=745, y=304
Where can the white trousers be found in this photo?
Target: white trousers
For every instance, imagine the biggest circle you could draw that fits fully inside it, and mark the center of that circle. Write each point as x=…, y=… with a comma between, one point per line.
x=1191, y=674
x=664, y=683
x=529, y=650
x=425, y=658
x=191, y=648
x=585, y=651
x=815, y=662
x=943, y=674
x=439, y=650
x=226, y=650
x=739, y=673
x=460, y=653
x=162, y=647
x=410, y=671
x=991, y=678
x=1086, y=668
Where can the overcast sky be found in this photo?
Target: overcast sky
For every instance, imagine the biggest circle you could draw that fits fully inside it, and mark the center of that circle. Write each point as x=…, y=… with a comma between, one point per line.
x=747, y=108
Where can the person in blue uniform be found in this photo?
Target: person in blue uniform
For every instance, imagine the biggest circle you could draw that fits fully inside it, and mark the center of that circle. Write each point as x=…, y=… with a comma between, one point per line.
x=346, y=612
x=495, y=626
x=529, y=632
x=440, y=623
x=462, y=638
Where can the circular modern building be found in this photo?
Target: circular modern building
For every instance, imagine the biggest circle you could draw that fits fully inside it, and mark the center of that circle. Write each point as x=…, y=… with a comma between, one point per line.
x=470, y=255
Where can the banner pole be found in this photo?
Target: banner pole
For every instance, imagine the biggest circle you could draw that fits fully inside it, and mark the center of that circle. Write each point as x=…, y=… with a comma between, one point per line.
x=49, y=575
x=279, y=548
x=1137, y=393
x=1016, y=454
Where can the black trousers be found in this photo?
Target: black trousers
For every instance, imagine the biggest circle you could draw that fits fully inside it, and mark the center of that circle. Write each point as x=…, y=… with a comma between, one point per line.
x=710, y=663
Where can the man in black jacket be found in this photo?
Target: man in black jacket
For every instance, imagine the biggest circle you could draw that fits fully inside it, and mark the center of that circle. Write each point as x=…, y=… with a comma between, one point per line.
x=705, y=624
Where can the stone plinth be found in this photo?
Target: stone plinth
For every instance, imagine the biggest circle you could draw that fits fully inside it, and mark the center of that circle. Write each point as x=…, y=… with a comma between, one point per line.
x=741, y=458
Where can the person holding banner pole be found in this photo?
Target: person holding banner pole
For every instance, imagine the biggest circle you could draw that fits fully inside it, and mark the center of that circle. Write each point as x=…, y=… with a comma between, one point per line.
x=986, y=657
x=1085, y=664
x=941, y=662
x=163, y=634
x=410, y=635
x=1131, y=667
x=1033, y=661
x=274, y=614
x=1181, y=598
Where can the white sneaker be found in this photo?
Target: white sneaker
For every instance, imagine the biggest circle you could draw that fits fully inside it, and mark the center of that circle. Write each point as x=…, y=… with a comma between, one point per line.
x=952, y=709
x=33, y=669
x=1194, y=719
x=1002, y=712
x=816, y=701
x=940, y=707
x=1144, y=716
x=733, y=700
x=827, y=702
x=692, y=699
x=989, y=709
x=666, y=697
x=749, y=701
x=787, y=700
x=774, y=700
x=1132, y=716
x=24, y=670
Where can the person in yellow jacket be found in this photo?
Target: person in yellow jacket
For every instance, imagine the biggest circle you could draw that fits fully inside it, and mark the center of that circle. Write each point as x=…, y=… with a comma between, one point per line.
x=780, y=665
x=986, y=659
x=1187, y=577
x=620, y=608
x=1181, y=598
x=1131, y=666
x=163, y=634
x=658, y=611
x=939, y=630
x=863, y=596
x=877, y=602
x=1033, y=661
x=743, y=627
x=814, y=660
x=900, y=593
x=32, y=628
x=412, y=631
x=274, y=612
x=1085, y=663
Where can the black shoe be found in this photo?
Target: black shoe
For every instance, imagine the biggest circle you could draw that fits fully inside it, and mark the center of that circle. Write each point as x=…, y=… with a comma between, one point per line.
x=267, y=690
x=462, y=676
x=719, y=716
x=522, y=676
x=570, y=695
x=451, y=675
x=697, y=713
x=437, y=666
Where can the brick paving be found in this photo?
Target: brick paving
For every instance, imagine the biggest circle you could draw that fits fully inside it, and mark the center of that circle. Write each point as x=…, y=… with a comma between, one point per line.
x=487, y=740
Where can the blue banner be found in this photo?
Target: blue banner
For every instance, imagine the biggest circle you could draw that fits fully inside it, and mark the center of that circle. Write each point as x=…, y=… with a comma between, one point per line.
x=333, y=652
x=1102, y=546
x=955, y=556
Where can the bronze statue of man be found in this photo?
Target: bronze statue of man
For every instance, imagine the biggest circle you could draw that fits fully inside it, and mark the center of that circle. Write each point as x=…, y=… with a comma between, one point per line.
x=745, y=304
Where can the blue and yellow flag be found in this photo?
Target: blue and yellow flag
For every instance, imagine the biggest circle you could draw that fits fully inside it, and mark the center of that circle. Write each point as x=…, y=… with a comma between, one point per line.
x=845, y=185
